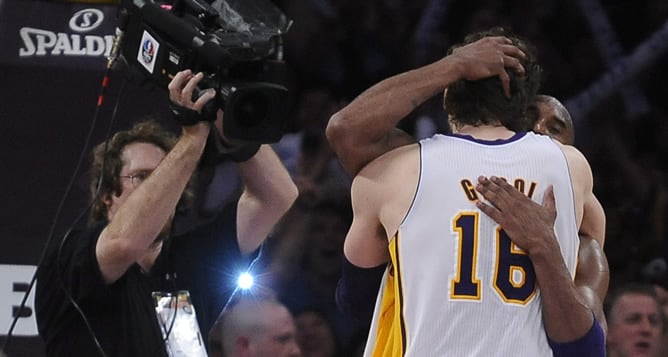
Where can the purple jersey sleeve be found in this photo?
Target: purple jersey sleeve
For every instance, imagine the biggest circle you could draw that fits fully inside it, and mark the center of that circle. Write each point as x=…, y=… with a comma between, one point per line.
x=592, y=344
x=357, y=289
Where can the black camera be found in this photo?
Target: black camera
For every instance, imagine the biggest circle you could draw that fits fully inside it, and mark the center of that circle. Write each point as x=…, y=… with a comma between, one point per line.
x=236, y=43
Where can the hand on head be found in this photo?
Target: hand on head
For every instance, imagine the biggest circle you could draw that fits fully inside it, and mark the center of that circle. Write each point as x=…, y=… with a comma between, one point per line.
x=489, y=57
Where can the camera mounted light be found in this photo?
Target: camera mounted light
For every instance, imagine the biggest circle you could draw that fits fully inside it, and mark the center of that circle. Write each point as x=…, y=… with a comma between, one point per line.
x=245, y=281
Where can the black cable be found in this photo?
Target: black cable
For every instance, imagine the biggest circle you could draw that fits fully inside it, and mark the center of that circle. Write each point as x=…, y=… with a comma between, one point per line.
x=168, y=330
x=171, y=277
x=60, y=206
x=59, y=269
x=173, y=280
x=171, y=324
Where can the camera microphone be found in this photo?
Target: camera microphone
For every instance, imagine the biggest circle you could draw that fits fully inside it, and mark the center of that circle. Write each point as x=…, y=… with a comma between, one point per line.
x=118, y=37
x=113, y=55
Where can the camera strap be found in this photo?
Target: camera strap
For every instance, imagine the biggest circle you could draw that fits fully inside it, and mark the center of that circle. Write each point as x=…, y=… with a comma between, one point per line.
x=187, y=117
x=217, y=150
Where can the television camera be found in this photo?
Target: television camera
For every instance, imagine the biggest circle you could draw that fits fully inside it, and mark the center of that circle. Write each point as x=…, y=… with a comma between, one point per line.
x=236, y=43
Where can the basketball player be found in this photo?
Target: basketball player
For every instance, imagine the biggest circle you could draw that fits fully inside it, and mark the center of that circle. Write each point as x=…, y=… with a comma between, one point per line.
x=553, y=120
x=357, y=285
x=593, y=274
x=454, y=270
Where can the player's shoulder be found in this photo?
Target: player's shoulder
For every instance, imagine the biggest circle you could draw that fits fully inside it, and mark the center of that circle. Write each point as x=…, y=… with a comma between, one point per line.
x=573, y=155
x=388, y=163
x=578, y=165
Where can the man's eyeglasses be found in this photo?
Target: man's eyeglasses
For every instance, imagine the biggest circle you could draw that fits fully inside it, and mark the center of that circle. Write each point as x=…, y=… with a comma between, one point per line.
x=137, y=178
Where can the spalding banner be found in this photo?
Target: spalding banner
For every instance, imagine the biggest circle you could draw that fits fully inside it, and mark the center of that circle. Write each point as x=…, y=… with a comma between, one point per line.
x=56, y=34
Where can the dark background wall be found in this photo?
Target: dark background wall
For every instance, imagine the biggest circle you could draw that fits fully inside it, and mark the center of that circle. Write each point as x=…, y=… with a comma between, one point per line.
x=48, y=107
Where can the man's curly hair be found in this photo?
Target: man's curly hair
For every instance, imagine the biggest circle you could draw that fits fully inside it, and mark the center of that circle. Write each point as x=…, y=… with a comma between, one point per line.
x=108, y=162
x=483, y=102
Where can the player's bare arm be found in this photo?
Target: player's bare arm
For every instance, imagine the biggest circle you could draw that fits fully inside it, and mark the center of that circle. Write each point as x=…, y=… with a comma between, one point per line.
x=381, y=195
x=366, y=128
x=592, y=276
x=533, y=231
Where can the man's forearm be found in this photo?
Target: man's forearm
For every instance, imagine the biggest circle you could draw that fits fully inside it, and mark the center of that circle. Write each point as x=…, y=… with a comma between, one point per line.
x=366, y=128
x=565, y=313
x=268, y=193
x=592, y=276
x=569, y=321
x=567, y=316
x=144, y=214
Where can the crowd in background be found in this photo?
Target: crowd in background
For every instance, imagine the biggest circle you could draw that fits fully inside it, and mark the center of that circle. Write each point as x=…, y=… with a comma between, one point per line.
x=337, y=48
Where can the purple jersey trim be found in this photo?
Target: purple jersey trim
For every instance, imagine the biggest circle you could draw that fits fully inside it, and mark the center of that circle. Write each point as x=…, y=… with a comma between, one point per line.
x=518, y=135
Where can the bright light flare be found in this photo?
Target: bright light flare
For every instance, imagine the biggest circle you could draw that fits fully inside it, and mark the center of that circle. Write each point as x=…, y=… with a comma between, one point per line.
x=245, y=281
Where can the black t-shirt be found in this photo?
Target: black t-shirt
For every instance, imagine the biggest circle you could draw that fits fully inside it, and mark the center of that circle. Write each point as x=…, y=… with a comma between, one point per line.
x=122, y=315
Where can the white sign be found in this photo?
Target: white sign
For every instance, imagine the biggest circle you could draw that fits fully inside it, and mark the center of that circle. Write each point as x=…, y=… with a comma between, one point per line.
x=148, y=51
x=14, y=282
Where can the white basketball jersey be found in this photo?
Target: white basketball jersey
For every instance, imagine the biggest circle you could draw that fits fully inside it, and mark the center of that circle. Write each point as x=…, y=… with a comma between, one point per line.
x=457, y=286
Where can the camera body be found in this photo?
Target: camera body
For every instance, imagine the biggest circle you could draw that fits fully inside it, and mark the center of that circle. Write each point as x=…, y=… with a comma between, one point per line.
x=236, y=43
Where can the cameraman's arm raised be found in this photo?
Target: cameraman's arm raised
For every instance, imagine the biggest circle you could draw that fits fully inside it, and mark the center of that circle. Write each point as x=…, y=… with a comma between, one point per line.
x=268, y=194
x=138, y=215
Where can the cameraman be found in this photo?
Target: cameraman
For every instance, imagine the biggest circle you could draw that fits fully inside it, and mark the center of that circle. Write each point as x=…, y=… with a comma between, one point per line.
x=110, y=270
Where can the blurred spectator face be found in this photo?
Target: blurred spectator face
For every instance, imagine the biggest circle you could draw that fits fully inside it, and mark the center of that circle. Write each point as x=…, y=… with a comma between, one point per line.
x=324, y=254
x=662, y=294
x=315, y=335
x=278, y=337
x=635, y=327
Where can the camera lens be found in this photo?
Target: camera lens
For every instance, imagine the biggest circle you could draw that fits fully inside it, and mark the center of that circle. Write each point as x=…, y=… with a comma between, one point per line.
x=251, y=108
x=254, y=111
